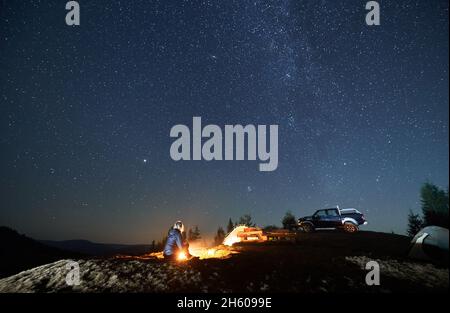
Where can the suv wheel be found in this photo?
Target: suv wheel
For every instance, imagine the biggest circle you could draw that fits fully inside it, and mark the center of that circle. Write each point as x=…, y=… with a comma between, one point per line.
x=350, y=227
x=308, y=228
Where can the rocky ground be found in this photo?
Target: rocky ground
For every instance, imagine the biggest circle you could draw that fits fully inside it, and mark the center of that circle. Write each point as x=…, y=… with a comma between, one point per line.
x=319, y=262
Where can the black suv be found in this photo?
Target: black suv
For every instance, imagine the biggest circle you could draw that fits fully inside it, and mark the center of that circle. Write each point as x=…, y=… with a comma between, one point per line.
x=333, y=218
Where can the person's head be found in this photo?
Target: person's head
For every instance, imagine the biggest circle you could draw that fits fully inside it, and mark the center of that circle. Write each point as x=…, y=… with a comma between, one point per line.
x=179, y=225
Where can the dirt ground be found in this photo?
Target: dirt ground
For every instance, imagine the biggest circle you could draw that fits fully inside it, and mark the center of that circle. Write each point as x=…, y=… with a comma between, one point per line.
x=327, y=262
x=315, y=263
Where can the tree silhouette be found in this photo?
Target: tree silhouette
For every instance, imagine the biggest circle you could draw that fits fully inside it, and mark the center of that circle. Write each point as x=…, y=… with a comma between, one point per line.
x=434, y=205
x=289, y=221
x=230, y=226
x=220, y=236
x=415, y=223
x=194, y=234
x=246, y=220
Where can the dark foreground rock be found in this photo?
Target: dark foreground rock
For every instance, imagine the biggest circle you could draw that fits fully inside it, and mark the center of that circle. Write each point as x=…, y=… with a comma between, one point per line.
x=320, y=262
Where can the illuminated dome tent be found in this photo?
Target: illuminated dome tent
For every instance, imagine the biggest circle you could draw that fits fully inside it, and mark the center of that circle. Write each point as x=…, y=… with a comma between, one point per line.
x=243, y=233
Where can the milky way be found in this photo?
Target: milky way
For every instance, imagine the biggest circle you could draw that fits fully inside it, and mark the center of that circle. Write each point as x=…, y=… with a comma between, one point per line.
x=86, y=112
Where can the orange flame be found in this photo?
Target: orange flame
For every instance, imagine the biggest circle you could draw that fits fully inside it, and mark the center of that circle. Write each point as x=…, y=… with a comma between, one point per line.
x=181, y=256
x=203, y=251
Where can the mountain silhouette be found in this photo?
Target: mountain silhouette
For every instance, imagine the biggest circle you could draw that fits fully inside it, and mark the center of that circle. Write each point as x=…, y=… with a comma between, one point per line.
x=97, y=249
x=19, y=252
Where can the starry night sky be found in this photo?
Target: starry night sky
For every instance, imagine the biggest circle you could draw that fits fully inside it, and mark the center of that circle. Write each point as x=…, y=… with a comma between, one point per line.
x=86, y=112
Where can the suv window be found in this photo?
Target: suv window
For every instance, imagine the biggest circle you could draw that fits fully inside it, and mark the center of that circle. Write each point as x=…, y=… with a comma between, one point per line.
x=332, y=212
x=320, y=213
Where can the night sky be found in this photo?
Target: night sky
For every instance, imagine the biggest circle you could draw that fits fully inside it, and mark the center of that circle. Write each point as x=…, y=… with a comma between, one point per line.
x=86, y=112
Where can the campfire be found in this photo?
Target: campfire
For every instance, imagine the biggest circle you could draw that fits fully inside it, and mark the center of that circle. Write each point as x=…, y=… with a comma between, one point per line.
x=181, y=256
x=201, y=250
x=239, y=234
